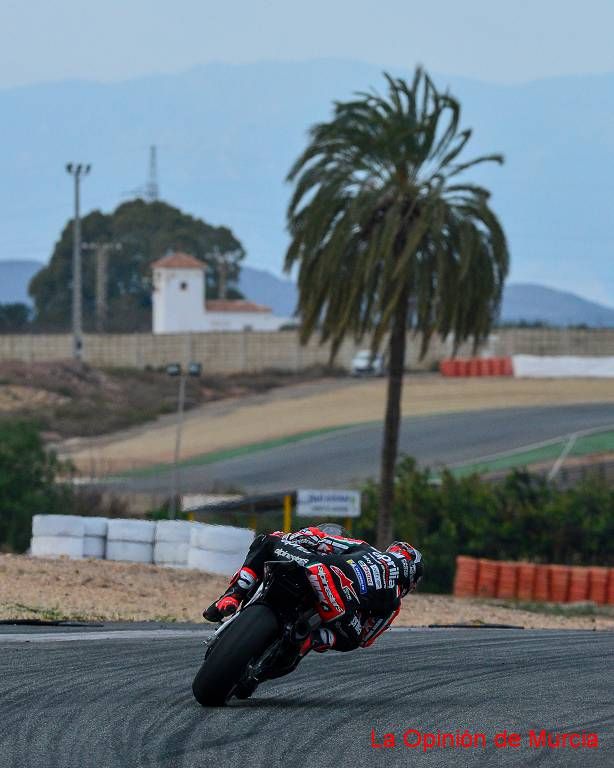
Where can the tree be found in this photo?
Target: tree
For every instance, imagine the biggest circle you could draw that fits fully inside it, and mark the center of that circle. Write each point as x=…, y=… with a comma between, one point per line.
x=14, y=318
x=145, y=231
x=28, y=485
x=386, y=238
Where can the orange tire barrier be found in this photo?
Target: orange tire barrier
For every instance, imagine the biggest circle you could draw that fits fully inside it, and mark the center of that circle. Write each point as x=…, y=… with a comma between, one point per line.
x=598, y=585
x=487, y=578
x=508, y=580
x=526, y=581
x=541, y=590
x=531, y=581
x=477, y=366
x=578, y=584
x=559, y=583
x=610, y=596
x=466, y=576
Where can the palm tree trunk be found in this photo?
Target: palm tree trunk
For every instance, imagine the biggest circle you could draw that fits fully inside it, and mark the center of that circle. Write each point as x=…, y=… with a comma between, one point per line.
x=390, y=445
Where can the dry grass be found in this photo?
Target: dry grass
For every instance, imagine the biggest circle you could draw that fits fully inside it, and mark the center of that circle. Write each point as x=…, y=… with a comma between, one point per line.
x=64, y=396
x=291, y=410
x=98, y=590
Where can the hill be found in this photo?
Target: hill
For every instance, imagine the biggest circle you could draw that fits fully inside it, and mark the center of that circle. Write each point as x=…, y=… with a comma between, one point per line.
x=522, y=302
x=14, y=279
x=227, y=135
x=536, y=303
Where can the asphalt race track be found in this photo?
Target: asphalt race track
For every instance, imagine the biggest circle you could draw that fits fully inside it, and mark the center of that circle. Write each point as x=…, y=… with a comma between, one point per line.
x=349, y=456
x=125, y=701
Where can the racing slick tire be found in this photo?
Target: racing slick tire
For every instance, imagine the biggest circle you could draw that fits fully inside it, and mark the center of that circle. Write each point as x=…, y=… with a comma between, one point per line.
x=245, y=640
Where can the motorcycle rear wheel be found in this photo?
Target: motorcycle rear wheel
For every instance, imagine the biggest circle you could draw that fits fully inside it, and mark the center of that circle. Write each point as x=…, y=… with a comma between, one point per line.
x=245, y=640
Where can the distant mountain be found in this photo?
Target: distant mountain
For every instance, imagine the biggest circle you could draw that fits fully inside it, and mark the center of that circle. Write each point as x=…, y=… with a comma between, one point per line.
x=14, y=279
x=535, y=303
x=228, y=134
x=264, y=288
x=522, y=302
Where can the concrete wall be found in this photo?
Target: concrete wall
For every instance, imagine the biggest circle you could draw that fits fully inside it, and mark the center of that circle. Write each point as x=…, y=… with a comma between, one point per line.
x=233, y=352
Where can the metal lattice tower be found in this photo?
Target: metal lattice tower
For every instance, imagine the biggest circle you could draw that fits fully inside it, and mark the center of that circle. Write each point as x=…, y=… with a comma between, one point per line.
x=152, y=192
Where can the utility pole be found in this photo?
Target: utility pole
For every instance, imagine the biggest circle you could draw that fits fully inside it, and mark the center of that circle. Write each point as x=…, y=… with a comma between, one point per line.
x=152, y=191
x=103, y=251
x=222, y=261
x=176, y=488
x=102, y=263
x=77, y=170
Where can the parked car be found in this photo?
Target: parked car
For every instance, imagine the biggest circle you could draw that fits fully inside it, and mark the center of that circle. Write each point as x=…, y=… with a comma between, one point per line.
x=365, y=363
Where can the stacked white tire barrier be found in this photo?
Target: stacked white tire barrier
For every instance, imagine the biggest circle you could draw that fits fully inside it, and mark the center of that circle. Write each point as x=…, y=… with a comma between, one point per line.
x=562, y=366
x=172, y=543
x=218, y=548
x=57, y=536
x=95, y=537
x=131, y=541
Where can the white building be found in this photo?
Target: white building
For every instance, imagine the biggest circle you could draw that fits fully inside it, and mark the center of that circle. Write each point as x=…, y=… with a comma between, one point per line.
x=180, y=306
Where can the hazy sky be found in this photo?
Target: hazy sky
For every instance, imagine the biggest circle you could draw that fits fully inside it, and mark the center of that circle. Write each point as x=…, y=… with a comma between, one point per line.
x=497, y=40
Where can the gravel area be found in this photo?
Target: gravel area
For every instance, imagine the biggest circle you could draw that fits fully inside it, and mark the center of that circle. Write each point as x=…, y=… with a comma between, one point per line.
x=33, y=588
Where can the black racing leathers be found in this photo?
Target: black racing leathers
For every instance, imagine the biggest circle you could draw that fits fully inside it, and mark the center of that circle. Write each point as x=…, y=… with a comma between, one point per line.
x=356, y=585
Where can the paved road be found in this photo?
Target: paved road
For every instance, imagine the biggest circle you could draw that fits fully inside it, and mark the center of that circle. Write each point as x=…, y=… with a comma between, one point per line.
x=347, y=457
x=126, y=702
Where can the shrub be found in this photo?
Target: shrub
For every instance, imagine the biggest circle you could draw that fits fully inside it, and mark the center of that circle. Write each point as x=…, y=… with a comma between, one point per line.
x=27, y=483
x=524, y=517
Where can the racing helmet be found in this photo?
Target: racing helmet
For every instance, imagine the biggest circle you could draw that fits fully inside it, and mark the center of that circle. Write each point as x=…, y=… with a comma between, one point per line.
x=410, y=565
x=332, y=529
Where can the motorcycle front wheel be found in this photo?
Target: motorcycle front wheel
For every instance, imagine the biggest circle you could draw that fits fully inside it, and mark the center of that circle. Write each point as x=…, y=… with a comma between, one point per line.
x=245, y=640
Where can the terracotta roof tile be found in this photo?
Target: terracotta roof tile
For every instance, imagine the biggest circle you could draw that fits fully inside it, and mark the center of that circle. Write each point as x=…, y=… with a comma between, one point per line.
x=235, y=305
x=178, y=260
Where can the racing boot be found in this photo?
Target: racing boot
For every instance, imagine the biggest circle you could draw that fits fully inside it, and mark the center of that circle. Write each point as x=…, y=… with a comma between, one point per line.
x=230, y=602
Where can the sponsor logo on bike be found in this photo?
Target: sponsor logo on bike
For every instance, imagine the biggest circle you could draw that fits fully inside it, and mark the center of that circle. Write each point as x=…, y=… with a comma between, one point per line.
x=367, y=572
x=290, y=556
x=376, y=576
x=362, y=582
x=347, y=585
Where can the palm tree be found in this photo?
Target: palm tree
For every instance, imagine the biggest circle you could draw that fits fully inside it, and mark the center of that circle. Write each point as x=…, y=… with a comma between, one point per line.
x=387, y=238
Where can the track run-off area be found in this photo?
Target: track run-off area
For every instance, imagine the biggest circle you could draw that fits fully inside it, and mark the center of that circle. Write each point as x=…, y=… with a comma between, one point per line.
x=110, y=698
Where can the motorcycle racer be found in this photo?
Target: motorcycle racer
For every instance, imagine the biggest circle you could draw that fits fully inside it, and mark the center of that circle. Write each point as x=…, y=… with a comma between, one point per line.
x=358, y=588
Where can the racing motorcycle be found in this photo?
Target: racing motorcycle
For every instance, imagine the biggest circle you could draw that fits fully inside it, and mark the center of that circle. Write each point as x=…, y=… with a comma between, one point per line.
x=261, y=640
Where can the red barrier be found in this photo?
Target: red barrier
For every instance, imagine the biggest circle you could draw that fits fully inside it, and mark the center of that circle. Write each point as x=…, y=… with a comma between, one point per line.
x=530, y=581
x=497, y=366
x=559, y=583
x=610, y=595
x=487, y=578
x=477, y=366
x=578, y=584
x=466, y=576
x=508, y=580
x=526, y=581
x=473, y=368
x=598, y=585
x=541, y=590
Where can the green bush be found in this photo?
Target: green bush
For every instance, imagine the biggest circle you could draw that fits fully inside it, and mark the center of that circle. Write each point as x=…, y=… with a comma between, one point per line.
x=523, y=518
x=27, y=483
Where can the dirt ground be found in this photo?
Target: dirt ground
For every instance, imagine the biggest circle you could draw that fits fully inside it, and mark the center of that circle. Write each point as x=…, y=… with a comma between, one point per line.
x=291, y=410
x=100, y=590
x=63, y=396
